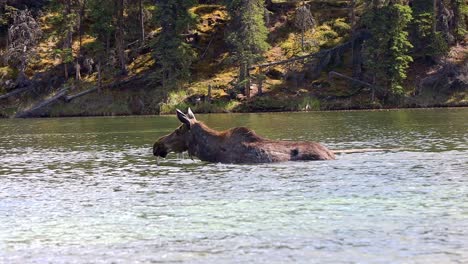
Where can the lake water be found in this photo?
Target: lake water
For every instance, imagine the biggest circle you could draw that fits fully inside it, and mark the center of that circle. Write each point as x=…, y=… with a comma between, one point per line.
x=87, y=190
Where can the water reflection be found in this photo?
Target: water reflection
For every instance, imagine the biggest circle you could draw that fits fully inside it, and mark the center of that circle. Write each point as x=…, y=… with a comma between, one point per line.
x=88, y=190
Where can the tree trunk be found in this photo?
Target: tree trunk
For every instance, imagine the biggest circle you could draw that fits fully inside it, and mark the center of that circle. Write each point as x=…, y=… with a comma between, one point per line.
x=247, y=83
x=21, y=79
x=456, y=20
x=108, y=44
x=80, y=26
x=142, y=22
x=80, y=42
x=208, y=96
x=334, y=73
x=67, y=44
x=352, y=15
x=302, y=39
x=99, y=76
x=267, y=16
x=242, y=74
x=445, y=19
x=69, y=35
x=434, y=21
x=357, y=58
x=119, y=37
x=373, y=88
x=65, y=69
x=260, y=84
x=78, y=70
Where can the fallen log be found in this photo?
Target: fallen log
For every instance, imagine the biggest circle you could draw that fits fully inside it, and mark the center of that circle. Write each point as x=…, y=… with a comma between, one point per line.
x=109, y=86
x=71, y=97
x=340, y=48
x=16, y=91
x=32, y=110
x=334, y=73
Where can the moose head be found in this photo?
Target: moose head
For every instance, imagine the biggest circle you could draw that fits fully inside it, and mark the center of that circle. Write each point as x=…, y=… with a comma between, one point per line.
x=176, y=141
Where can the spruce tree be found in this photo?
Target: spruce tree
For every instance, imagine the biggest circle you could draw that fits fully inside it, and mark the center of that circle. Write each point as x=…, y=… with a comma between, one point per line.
x=173, y=55
x=248, y=35
x=388, y=50
x=120, y=36
x=64, y=29
x=428, y=41
x=102, y=27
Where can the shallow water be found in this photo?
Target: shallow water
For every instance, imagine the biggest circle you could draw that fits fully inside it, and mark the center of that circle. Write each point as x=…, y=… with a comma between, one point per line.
x=87, y=190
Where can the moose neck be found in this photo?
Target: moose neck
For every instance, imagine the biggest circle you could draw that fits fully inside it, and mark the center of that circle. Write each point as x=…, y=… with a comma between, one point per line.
x=204, y=142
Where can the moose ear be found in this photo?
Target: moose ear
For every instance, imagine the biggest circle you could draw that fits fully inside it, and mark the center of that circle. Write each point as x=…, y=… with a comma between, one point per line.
x=190, y=114
x=183, y=118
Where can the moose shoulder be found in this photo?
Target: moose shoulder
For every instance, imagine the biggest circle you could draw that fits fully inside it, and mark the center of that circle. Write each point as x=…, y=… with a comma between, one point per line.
x=236, y=145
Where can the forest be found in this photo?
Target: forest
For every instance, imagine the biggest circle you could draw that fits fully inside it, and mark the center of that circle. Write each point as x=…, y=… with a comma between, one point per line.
x=141, y=57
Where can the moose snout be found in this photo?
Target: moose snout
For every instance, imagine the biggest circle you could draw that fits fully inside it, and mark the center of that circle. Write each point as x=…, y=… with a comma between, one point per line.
x=159, y=149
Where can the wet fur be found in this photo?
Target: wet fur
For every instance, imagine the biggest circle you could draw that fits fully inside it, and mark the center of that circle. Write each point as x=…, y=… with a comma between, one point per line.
x=236, y=145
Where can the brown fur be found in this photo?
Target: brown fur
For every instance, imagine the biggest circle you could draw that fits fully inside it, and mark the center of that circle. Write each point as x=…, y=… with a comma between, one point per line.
x=236, y=145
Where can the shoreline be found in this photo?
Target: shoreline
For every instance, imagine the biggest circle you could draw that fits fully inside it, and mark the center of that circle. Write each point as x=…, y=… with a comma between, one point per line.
x=257, y=112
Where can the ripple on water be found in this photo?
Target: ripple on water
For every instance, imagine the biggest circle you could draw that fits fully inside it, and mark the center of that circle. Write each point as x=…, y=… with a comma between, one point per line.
x=110, y=202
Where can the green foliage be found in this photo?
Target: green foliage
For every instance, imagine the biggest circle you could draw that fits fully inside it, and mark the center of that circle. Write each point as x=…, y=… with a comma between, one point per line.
x=387, y=52
x=426, y=41
x=400, y=48
x=96, y=49
x=330, y=34
x=267, y=103
x=6, y=14
x=171, y=53
x=62, y=23
x=132, y=20
x=309, y=103
x=65, y=55
x=423, y=24
x=461, y=30
x=340, y=26
x=327, y=35
x=215, y=107
x=292, y=45
x=175, y=100
x=173, y=56
x=7, y=73
x=101, y=14
x=248, y=32
x=438, y=45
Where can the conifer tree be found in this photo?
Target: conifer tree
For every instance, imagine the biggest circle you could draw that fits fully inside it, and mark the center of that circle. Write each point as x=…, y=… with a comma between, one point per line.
x=173, y=55
x=426, y=38
x=248, y=35
x=120, y=35
x=388, y=50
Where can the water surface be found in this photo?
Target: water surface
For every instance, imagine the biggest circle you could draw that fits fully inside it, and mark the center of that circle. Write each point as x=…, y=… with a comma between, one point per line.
x=87, y=190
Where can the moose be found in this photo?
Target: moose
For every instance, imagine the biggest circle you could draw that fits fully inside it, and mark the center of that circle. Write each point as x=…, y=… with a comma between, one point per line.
x=236, y=145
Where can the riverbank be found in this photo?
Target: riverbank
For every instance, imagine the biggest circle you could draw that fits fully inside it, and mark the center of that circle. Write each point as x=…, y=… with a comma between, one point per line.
x=136, y=96
x=319, y=78
x=427, y=85
x=82, y=107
